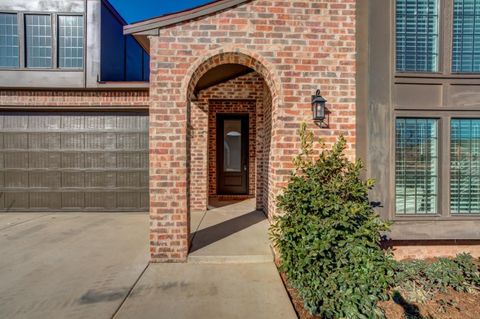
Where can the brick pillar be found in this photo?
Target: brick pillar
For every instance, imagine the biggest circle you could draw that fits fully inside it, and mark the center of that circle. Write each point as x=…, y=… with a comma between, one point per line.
x=169, y=229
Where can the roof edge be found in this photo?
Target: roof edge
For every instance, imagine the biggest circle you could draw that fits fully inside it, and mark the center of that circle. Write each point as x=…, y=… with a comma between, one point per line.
x=182, y=16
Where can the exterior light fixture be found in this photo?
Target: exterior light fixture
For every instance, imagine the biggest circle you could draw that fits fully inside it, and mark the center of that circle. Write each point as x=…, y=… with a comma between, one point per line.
x=318, y=108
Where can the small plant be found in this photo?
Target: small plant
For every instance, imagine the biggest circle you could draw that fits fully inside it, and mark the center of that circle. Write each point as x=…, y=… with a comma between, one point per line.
x=419, y=280
x=328, y=235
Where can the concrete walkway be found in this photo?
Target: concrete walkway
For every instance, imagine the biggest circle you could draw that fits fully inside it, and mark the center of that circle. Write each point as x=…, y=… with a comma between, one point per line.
x=95, y=265
x=235, y=233
x=230, y=273
x=69, y=265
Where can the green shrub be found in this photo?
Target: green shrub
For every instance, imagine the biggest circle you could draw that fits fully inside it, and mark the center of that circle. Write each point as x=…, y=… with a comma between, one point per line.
x=419, y=280
x=328, y=235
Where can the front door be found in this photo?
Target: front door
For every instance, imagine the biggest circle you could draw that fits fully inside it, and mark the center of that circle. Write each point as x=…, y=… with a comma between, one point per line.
x=232, y=154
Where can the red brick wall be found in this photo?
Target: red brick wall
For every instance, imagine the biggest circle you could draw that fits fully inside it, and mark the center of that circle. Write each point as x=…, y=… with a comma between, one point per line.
x=78, y=98
x=297, y=46
x=430, y=249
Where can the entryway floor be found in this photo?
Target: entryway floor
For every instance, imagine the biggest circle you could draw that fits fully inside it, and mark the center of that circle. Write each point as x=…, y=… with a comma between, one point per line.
x=236, y=233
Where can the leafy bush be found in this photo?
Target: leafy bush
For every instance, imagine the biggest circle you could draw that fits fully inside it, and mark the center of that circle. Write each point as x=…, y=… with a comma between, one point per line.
x=328, y=235
x=419, y=280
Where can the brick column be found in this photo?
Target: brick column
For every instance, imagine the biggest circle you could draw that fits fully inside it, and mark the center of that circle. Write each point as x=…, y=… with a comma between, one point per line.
x=169, y=227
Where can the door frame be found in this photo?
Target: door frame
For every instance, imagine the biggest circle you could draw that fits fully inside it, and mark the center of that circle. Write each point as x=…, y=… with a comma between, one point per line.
x=245, y=118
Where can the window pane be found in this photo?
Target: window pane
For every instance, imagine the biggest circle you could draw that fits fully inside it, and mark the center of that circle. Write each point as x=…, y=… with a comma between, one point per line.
x=38, y=32
x=70, y=41
x=416, y=165
x=417, y=35
x=8, y=40
x=465, y=166
x=466, y=36
x=232, y=146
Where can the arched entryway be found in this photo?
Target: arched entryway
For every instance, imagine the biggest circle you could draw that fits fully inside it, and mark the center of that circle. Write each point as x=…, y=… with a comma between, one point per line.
x=231, y=97
x=227, y=86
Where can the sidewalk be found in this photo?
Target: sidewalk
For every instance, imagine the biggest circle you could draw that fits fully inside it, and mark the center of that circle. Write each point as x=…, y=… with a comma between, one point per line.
x=230, y=273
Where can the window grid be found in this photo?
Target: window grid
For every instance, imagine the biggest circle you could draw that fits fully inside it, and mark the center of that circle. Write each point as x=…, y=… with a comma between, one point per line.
x=38, y=30
x=9, y=47
x=417, y=35
x=70, y=41
x=466, y=36
x=416, y=166
x=465, y=166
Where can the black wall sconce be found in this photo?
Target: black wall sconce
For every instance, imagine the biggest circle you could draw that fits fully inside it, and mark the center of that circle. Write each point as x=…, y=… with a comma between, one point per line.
x=320, y=112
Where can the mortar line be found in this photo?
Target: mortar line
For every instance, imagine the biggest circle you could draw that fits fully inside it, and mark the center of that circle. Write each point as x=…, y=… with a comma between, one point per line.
x=117, y=311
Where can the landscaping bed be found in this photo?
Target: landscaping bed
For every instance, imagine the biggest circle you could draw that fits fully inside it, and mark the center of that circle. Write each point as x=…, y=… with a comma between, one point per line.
x=449, y=304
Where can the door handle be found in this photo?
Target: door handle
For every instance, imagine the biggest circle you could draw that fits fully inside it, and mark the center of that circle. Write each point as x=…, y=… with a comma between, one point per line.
x=245, y=168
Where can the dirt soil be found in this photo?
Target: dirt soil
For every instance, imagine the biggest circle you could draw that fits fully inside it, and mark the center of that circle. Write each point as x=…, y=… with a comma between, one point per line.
x=451, y=305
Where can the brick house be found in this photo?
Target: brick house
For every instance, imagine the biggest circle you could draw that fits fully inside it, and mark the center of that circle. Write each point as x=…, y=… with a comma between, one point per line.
x=229, y=84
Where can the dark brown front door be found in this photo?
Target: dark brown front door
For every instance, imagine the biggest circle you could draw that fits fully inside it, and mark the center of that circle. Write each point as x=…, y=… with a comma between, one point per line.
x=232, y=154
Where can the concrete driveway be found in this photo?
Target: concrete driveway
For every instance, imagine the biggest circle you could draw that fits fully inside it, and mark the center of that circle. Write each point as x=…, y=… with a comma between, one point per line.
x=69, y=265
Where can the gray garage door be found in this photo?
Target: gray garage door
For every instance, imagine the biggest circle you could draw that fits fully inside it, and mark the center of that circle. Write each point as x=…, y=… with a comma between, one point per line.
x=56, y=161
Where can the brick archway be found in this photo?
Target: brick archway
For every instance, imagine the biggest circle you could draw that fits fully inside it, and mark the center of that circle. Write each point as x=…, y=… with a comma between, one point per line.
x=232, y=55
x=199, y=168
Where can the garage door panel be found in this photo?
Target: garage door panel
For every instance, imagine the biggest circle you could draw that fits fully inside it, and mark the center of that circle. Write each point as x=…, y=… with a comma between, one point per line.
x=15, y=141
x=39, y=121
x=132, y=122
x=73, y=161
x=144, y=178
x=128, y=200
x=128, y=179
x=15, y=121
x=128, y=141
x=100, y=179
x=128, y=160
x=15, y=159
x=45, y=179
x=73, y=179
x=100, y=160
x=145, y=200
x=95, y=123
x=45, y=160
x=95, y=141
x=2, y=201
x=73, y=200
x=72, y=141
x=110, y=122
x=16, y=179
x=16, y=201
x=44, y=141
x=45, y=200
x=73, y=122
x=100, y=200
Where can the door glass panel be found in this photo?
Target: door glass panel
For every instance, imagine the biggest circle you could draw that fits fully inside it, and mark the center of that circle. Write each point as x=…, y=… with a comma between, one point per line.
x=232, y=145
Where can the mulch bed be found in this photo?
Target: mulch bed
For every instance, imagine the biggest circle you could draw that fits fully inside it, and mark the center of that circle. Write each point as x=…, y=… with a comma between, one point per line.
x=450, y=305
